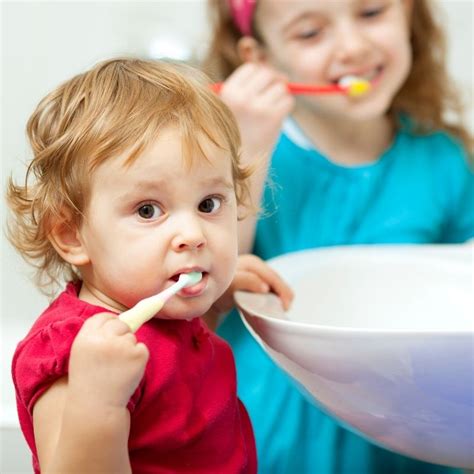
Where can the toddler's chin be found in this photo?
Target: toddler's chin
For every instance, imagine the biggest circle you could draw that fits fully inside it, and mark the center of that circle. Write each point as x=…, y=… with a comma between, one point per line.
x=183, y=312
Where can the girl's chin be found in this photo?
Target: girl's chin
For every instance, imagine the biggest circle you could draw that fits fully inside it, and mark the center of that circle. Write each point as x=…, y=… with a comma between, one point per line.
x=365, y=111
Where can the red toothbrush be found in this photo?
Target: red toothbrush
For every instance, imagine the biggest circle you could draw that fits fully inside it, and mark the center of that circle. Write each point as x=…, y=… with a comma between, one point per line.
x=355, y=87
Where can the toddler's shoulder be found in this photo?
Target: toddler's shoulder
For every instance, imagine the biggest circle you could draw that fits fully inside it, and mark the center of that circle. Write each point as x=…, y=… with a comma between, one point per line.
x=43, y=355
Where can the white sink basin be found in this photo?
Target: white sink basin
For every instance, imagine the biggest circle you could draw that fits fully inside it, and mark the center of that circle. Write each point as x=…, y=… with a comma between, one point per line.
x=382, y=337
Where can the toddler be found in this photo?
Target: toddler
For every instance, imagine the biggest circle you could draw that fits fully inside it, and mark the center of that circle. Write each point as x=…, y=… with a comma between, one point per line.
x=135, y=180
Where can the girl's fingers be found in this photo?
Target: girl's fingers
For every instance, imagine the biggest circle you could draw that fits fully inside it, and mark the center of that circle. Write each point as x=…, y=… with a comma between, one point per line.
x=249, y=281
x=251, y=80
x=253, y=264
x=285, y=293
x=278, y=98
x=256, y=265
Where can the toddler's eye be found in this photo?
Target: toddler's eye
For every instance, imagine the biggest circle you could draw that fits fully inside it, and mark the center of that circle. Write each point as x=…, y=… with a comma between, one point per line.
x=210, y=204
x=149, y=211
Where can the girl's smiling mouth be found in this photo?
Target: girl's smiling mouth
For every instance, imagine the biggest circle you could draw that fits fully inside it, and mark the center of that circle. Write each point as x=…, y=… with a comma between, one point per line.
x=372, y=76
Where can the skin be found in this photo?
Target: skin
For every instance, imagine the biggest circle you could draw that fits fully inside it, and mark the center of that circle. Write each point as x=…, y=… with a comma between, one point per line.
x=319, y=42
x=145, y=224
x=165, y=219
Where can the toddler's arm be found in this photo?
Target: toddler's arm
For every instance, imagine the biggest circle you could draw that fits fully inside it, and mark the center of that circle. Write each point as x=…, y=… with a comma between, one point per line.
x=81, y=422
x=252, y=274
x=260, y=101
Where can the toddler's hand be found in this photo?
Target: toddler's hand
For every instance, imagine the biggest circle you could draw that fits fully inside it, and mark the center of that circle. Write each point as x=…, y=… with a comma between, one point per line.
x=259, y=99
x=107, y=363
x=252, y=274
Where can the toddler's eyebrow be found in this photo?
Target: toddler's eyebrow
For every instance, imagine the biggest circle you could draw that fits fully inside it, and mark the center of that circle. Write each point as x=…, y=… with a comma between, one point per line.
x=218, y=181
x=154, y=185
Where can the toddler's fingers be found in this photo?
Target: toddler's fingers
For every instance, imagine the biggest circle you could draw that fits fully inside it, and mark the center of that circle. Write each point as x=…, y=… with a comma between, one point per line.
x=97, y=321
x=129, y=337
x=142, y=350
x=115, y=327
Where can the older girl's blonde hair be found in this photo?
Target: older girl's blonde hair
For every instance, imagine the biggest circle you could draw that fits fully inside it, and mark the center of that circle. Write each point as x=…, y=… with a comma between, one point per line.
x=118, y=106
x=428, y=96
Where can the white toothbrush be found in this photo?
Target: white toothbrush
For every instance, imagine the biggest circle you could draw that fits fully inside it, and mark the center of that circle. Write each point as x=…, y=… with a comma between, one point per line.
x=145, y=309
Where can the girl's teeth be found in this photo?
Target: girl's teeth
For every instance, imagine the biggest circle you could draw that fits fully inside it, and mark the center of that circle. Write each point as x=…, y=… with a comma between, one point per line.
x=346, y=81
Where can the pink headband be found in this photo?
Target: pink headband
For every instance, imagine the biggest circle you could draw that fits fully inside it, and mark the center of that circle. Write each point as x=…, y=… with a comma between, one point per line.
x=242, y=12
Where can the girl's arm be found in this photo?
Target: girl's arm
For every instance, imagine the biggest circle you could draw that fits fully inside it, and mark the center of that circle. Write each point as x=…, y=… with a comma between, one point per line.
x=259, y=98
x=82, y=423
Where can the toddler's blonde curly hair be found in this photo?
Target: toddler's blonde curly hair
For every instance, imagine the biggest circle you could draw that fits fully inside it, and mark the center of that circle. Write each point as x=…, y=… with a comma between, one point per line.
x=118, y=106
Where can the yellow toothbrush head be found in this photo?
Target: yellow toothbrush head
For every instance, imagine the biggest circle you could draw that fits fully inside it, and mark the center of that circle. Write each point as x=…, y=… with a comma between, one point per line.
x=358, y=88
x=355, y=86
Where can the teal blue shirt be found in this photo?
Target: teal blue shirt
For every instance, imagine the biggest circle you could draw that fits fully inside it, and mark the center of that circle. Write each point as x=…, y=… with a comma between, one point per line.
x=419, y=191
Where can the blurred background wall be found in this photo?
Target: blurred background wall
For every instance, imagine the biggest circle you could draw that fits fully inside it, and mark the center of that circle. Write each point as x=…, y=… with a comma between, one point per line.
x=44, y=43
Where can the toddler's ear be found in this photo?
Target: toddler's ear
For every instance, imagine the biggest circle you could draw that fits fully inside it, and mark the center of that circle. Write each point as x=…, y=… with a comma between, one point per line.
x=65, y=238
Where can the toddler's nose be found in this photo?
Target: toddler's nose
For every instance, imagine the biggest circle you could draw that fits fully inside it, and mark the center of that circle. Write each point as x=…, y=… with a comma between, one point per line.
x=190, y=236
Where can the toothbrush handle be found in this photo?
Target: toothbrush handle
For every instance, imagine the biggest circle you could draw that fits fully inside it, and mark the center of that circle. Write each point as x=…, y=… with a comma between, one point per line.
x=145, y=309
x=142, y=312
x=298, y=88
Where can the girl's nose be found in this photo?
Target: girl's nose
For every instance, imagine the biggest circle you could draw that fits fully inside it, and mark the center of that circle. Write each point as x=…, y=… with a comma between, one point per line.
x=189, y=236
x=351, y=43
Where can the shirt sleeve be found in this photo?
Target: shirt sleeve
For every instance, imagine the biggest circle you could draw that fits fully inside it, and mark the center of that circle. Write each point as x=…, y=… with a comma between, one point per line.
x=458, y=175
x=43, y=358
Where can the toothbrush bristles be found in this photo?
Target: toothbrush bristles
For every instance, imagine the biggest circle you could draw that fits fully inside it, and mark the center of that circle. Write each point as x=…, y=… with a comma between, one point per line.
x=191, y=278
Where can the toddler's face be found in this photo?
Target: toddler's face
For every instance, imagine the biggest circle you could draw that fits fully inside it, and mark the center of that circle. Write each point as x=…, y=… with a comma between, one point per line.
x=155, y=219
x=320, y=41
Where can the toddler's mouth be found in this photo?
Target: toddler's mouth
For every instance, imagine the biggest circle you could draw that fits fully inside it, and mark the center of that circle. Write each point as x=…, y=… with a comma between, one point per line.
x=193, y=290
x=196, y=289
x=177, y=275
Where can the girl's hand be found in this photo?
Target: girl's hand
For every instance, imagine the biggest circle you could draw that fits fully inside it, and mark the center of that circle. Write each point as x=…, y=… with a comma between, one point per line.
x=107, y=363
x=259, y=99
x=252, y=274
